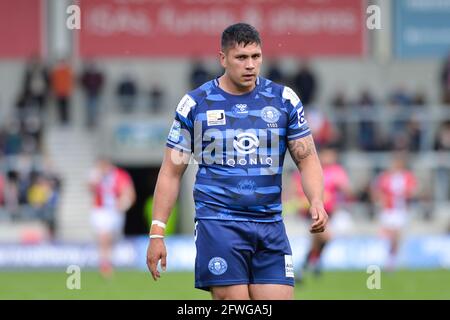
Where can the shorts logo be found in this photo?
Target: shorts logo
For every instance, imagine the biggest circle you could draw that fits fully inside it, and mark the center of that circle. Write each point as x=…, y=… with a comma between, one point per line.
x=175, y=131
x=246, y=187
x=289, y=266
x=240, y=110
x=246, y=143
x=217, y=266
x=215, y=117
x=270, y=114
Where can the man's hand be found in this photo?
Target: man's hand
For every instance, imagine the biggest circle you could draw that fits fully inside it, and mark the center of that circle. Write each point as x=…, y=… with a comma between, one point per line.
x=156, y=251
x=320, y=218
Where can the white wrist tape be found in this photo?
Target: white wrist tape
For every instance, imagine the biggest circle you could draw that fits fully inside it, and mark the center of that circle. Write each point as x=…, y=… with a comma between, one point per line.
x=156, y=236
x=159, y=223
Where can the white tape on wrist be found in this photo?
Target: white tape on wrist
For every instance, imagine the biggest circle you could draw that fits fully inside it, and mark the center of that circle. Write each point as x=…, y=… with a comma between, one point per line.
x=156, y=236
x=159, y=223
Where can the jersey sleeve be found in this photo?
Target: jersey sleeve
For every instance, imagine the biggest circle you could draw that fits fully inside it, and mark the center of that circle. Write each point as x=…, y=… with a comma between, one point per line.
x=297, y=124
x=182, y=131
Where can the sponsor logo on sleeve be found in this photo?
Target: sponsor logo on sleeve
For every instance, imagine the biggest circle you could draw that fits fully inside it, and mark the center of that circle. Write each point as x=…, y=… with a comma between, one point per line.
x=174, y=134
x=290, y=95
x=185, y=105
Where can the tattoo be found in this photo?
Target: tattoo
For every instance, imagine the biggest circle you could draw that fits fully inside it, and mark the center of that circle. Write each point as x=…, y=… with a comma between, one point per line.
x=301, y=149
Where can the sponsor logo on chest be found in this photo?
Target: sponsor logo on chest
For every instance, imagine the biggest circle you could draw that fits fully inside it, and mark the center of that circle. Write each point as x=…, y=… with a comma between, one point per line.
x=215, y=117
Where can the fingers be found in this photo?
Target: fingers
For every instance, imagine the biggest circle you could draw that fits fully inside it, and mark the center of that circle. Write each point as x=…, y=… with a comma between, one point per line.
x=156, y=252
x=314, y=215
x=163, y=262
x=320, y=222
x=317, y=230
x=152, y=267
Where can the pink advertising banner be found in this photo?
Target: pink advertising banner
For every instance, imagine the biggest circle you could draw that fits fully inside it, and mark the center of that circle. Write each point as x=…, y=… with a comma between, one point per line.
x=188, y=28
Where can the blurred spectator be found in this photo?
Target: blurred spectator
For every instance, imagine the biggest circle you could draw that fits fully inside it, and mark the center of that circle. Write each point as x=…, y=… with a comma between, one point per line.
x=12, y=194
x=2, y=141
x=442, y=142
x=400, y=97
x=340, y=104
x=92, y=84
x=41, y=197
x=369, y=140
x=274, y=73
x=321, y=127
x=29, y=194
x=199, y=75
x=24, y=104
x=2, y=189
x=156, y=98
x=62, y=87
x=127, y=93
x=32, y=128
x=340, y=101
x=445, y=81
x=401, y=103
x=414, y=133
x=419, y=99
x=38, y=193
x=305, y=84
x=12, y=139
x=36, y=83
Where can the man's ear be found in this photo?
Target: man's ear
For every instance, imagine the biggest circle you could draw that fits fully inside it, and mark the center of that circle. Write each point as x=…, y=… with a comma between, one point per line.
x=222, y=58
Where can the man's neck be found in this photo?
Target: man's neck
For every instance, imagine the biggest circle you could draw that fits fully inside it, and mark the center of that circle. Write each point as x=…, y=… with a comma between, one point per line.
x=228, y=86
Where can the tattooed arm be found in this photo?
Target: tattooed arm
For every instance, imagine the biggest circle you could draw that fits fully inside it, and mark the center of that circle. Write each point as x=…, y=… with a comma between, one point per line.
x=304, y=154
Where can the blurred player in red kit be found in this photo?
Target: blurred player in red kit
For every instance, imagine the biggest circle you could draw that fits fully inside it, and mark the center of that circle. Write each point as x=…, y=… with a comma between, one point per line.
x=393, y=190
x=114, y=194
x=337, y=192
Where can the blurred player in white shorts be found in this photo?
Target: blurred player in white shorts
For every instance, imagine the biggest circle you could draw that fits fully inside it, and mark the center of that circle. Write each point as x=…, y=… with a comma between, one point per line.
x=113, y=192
x=393, y=189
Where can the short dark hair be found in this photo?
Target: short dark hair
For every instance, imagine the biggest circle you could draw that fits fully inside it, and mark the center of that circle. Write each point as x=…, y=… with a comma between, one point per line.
x=239, y=33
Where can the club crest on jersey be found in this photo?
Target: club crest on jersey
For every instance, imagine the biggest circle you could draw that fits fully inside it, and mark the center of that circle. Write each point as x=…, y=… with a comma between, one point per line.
x=240, y=110
x=246, y=187
x=270, y=114
x=217, y=266
x=215, y=117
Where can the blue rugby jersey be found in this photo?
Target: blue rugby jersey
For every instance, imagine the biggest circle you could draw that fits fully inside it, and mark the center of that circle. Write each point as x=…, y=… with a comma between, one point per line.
x=239, y=142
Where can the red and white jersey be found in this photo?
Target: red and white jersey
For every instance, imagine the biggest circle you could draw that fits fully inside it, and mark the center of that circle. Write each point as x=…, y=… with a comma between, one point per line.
x=396, y=188
x=108, y=188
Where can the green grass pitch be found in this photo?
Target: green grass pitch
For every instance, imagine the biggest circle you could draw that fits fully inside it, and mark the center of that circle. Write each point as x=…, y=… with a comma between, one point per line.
x=403, y=284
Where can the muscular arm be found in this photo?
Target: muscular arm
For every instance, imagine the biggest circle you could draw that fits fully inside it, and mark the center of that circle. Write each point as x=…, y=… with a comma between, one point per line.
x=304, y=154
x=168, y=184
x=167, y=188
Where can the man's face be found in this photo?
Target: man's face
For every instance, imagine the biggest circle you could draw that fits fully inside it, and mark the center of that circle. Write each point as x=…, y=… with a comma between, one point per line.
x=242, y=64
